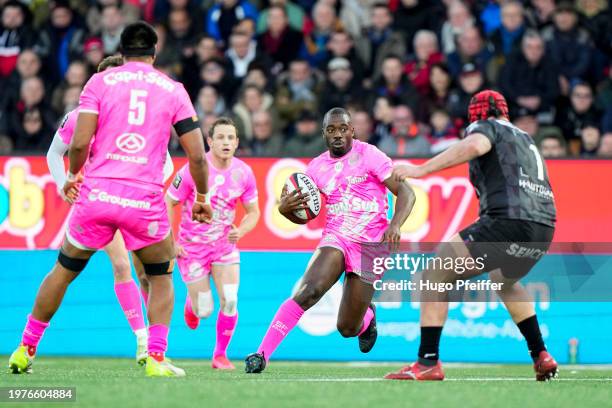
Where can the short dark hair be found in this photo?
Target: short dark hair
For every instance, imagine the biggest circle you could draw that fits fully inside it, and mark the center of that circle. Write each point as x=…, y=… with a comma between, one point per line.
x=138, y=40
x=223, y=120
x=336, y=112
x=110, y=62
x=277, y=7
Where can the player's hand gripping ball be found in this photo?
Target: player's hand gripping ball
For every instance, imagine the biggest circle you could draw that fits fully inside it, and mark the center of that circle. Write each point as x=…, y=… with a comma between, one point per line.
x=301, y=197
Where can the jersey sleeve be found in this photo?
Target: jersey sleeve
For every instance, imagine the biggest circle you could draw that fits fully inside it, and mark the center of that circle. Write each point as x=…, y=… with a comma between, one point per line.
x=89, y=102
x=311, y=171
x=379, y=164
x=185, y=118
x=181, y=186
x=250, y=189
x=66, y=129
x=484, y=127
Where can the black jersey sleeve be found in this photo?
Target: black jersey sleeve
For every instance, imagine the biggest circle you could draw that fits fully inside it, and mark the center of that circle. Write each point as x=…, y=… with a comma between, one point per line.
x=484, y=127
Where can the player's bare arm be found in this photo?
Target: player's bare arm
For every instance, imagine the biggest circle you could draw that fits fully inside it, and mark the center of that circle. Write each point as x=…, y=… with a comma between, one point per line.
x=193, y=144
x=170, y=204
x=249, y=221
x=403, y=207
x=475, y=145
x=296, y=200
x=86, y=126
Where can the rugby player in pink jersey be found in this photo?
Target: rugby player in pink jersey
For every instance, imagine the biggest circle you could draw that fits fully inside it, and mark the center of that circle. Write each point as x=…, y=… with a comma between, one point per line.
x=129, y=109
x=210, y=249
x=125, y=287
x=354, y=178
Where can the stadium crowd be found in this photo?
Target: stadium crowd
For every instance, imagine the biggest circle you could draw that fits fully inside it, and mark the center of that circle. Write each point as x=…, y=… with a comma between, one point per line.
x=405, y=69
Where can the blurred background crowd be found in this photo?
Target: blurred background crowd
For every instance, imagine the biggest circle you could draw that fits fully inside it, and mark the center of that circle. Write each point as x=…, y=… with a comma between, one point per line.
x=405, y=69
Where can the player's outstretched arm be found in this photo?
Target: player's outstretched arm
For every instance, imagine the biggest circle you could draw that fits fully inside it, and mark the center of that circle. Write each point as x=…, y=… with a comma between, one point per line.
x=403, y=207
x=193, y=144
x=296, y=200
x=473, y=146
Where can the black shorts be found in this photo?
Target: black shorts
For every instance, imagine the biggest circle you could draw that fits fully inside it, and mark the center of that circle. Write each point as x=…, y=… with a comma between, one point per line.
x=514, y=246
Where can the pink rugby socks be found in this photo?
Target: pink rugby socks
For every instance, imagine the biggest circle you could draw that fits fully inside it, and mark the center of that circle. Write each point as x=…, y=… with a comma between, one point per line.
x=129, y=299
x=158, y=341
x=32, y=333
x=284, y=321
x=225, y=330
x=367, y=318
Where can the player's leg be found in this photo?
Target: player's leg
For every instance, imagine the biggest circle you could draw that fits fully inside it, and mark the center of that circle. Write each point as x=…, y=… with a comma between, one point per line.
x=128, y=294
x=142, y=279
x=71, y=261
x=199, y=303
x=158, y=263
x=357, y=314
x=324, y=269
x=227, y=280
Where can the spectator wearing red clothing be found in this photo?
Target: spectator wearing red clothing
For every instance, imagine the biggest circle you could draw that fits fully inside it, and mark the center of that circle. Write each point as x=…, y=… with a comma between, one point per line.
x=426, y=53
x=15, y=34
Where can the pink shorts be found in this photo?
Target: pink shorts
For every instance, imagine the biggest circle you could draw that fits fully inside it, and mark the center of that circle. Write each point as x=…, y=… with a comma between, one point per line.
x=357, y=255
x=106, y=206
x=196, y=264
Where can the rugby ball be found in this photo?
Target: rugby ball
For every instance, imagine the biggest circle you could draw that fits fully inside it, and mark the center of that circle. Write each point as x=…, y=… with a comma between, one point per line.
x=304, y=183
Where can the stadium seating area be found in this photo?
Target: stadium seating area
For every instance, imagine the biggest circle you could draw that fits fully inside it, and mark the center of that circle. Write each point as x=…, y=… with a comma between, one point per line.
x=404, y=68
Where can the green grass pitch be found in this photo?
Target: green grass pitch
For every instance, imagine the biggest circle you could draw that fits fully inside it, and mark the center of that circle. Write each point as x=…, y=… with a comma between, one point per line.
x=118, y=383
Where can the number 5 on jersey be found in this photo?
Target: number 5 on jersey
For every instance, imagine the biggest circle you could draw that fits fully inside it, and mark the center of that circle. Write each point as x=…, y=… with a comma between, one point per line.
x=138, y=107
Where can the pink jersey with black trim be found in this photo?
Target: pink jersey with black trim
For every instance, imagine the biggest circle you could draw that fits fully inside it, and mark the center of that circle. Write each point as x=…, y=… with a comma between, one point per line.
x=354, y=191
x=136, y=106
x=66, y=129
x=226, y=187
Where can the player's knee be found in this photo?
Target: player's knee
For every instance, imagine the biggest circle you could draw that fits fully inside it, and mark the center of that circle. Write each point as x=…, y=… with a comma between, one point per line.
x=122, y=270
x=229, y=303
x=347, y=329
x=205, y=304
x=309, y=294
x=75, y=265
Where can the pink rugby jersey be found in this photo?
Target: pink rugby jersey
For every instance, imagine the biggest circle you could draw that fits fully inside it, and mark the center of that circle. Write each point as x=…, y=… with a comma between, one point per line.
x=136, y=106
x=226, y=187
x=354, y=191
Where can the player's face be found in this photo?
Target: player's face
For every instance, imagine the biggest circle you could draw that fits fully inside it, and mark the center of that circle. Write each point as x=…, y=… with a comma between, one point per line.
x=338, y=132
x=224, y=142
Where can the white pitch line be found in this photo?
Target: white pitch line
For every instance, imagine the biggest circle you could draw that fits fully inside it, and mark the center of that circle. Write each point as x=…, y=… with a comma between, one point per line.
x=376, y=379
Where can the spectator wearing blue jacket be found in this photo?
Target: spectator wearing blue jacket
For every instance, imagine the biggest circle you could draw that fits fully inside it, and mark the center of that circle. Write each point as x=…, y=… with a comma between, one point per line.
x=224, y=15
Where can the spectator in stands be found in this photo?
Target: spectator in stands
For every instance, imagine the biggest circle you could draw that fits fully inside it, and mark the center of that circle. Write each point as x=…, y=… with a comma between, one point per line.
x=605, y=146
x=362, y=122
x=440, y=87
x=568, y=45
x=28, y=66
x=252, y=100
x=182, y=34
x=590, y=136
x=355, y=16
x=341, y=45
x=16, y=34
x=529, y=78
x=130, y=13
x=241, y=53
x=470, y=82
x=414, y=15
x=506, y=39
x=542, y=12
x=258, y=76
x=32, y=100
x=71, y=98
x=205, y=49
x=394, y=84
x=224, y=15
x=596, y=18
x=112, y=26
x=408, y=137
x=32, y=132
x=265, y=141
x=6, y=144
x=471, y=49
x=426, y=53
x=76, y=76
x=458, y=19
x=209, y=102
x=279, y=40
x=341, y=88
x=317, y=34
x=293, y=13
x=298, y=91
x=580, y=111
x=383, y=117
x=307, y=141
x=93, y=52
x=379, y=41
x=553, y=146
x=214, y=73
x=443, y=132
x=60, y=41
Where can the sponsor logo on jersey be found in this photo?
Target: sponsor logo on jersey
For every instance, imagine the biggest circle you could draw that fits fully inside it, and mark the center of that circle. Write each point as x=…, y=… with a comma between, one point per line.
x=177, y=181
x=130, y=143
x=117, y=77
x=105, y=197
x=356, y=179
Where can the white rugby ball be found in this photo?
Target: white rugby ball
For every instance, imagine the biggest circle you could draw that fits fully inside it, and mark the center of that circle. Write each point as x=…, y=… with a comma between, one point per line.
x=304, y=183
